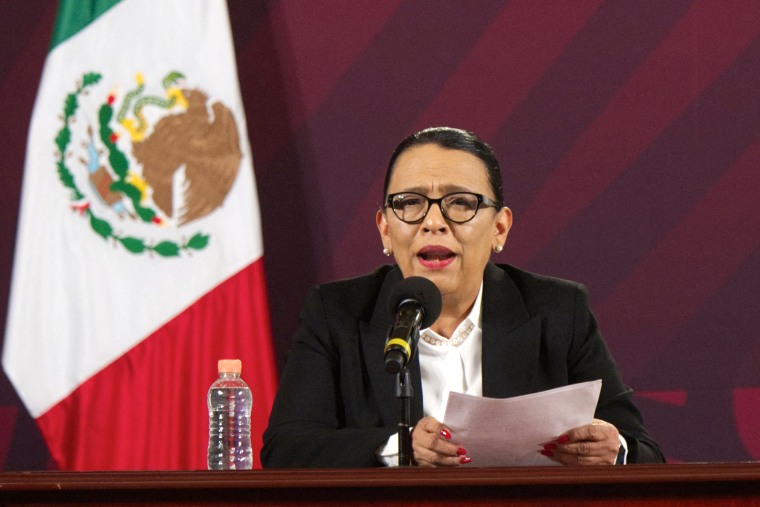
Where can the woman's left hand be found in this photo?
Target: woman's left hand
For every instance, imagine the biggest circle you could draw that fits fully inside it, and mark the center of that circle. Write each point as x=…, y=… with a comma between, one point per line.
x=594, y=444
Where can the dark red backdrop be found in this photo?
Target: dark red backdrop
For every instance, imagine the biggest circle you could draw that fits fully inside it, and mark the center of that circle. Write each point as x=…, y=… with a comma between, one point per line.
x=629, y=133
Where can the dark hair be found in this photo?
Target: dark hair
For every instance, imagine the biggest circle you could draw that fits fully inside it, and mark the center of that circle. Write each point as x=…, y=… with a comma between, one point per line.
x=453, y=139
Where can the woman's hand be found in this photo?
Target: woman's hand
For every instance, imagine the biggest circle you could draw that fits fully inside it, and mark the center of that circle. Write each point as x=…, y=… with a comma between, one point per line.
x=594, y=444
x=432, y=445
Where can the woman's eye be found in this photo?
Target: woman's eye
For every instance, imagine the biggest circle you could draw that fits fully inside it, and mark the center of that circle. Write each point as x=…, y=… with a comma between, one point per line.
x=461, y=202
x=409, y=202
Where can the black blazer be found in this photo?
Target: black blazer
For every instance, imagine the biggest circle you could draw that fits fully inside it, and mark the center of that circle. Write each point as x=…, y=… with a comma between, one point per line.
x=336, y=404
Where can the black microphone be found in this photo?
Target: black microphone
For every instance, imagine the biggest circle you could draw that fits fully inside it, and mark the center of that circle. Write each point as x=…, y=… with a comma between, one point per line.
x=416, y=304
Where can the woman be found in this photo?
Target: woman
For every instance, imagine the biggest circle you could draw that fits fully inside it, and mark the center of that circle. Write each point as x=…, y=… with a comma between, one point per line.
x=502, y=332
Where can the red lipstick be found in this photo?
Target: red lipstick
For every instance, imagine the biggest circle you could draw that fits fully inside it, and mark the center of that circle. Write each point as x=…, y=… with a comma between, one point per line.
x=435, y=257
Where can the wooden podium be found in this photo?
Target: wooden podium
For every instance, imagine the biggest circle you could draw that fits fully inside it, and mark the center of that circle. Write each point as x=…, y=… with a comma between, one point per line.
x=631, y=485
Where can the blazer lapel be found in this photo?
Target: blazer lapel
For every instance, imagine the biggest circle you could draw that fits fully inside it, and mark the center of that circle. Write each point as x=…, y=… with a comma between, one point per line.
x=511, y=338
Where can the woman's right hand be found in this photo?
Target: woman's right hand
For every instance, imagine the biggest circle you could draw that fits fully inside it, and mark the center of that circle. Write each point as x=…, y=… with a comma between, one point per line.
x=432, y=445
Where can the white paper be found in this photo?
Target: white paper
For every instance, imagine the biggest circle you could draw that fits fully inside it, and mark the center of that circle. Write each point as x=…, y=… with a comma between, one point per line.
x=512, y=431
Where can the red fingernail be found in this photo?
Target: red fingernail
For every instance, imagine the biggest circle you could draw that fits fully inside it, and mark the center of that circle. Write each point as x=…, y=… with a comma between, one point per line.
x=563, y=439
x=550, y=447
x=461, y=451
x=465, y=460
x=547, y=453
x=445, y=434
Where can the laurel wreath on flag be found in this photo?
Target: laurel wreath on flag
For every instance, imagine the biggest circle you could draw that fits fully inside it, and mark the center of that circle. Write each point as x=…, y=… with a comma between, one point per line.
x=120, y=165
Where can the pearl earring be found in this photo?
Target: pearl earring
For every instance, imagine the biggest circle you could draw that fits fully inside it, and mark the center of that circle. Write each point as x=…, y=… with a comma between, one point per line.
x=387, y=252
x=498, y=248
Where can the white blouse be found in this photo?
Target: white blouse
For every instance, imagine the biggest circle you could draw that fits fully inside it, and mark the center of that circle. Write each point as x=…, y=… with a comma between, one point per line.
x=451, y=365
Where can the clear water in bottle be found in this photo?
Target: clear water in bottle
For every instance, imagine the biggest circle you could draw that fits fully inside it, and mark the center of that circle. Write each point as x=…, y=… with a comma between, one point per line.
x=229, y=413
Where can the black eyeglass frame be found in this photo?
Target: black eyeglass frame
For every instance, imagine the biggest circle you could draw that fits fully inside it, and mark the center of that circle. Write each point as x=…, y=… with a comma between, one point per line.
x=482, y=201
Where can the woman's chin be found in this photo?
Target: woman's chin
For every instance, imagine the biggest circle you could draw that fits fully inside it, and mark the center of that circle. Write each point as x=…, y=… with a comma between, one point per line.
x=443, y=281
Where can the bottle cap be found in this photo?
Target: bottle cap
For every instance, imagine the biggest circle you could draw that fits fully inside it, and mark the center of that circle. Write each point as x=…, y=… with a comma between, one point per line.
x=230, y=365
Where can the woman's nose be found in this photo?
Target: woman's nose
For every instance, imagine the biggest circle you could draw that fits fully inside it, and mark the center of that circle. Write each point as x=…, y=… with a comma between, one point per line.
x=434, y=220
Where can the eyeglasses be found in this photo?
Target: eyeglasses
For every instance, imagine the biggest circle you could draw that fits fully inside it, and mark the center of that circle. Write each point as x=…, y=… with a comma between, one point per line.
x=459, y=207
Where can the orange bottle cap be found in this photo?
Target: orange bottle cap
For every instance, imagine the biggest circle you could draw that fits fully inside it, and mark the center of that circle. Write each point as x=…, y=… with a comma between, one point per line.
x=230, y=366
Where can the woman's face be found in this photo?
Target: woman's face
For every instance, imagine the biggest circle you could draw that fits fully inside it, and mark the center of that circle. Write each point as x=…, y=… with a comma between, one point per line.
x=451, y=255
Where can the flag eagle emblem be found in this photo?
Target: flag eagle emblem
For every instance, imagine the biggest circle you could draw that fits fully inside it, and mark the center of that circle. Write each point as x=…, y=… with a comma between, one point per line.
x=143, y=164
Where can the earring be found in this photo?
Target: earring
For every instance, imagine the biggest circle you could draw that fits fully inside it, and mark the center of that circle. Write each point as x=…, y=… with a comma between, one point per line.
x=498, y=248
x=387, y=252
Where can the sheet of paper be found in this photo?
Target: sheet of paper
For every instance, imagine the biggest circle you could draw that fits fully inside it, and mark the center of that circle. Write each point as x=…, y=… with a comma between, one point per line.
x=512, y=431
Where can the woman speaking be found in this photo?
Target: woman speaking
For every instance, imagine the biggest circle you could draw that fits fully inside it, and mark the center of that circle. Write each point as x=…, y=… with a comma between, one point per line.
x=501, y=331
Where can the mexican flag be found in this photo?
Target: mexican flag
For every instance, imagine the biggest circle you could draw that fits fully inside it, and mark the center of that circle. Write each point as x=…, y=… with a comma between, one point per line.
x=139, y=259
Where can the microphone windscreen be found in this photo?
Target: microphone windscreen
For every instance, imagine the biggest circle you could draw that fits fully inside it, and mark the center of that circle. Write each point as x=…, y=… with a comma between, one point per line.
x=421, y=290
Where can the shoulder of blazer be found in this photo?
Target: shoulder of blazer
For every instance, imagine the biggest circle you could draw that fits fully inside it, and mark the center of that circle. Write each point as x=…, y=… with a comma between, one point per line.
x=537, y=291
x=357, y=296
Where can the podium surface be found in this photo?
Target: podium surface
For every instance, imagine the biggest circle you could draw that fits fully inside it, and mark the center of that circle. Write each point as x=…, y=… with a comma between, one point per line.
x=632, y=485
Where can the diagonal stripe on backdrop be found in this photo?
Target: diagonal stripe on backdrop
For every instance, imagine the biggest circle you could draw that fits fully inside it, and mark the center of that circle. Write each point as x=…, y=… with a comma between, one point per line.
x=296, y=50
x=508, y=60
x=638, y=210
x=495, y=93
x=647, y=104
x=720, y=232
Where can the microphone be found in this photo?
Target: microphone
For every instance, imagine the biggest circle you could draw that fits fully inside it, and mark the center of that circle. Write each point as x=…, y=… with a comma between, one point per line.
x=415, y=304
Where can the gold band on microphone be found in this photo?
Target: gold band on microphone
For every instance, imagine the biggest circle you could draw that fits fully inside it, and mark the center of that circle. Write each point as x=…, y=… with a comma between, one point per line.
x=401, y=343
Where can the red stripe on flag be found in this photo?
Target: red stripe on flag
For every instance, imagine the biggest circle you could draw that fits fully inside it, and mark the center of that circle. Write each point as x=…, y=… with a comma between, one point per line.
x=147, y=410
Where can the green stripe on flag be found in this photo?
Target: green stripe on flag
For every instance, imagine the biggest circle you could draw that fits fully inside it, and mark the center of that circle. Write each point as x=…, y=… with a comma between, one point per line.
x=75, y=15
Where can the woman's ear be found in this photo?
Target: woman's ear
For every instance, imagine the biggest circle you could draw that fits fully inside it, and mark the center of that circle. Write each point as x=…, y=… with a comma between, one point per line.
x=502, y=226
x=382, y=227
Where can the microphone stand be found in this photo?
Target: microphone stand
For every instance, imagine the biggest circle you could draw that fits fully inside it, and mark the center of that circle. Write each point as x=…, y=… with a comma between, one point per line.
x=404, y=393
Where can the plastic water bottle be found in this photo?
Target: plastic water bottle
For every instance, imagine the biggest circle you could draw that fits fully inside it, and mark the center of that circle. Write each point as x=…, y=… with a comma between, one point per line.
x=229, y=419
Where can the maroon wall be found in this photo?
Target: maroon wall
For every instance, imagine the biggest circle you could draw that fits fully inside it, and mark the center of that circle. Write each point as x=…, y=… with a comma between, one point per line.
x=629, y=134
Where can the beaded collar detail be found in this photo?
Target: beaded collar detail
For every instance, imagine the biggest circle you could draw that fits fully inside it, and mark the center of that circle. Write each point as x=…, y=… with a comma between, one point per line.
x=455, y=341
